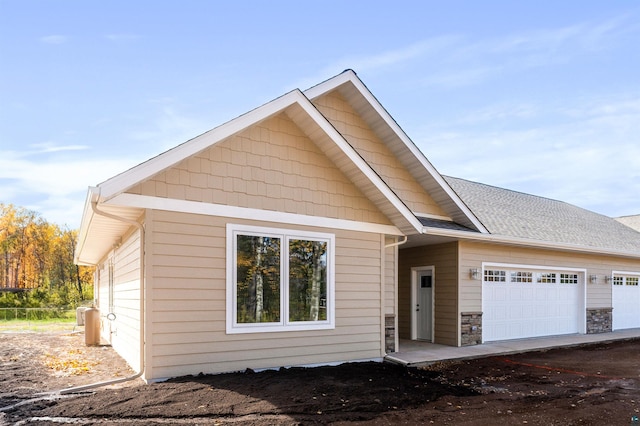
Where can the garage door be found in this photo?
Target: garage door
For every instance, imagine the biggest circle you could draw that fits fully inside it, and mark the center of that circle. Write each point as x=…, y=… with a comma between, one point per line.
x=626, y=301
x=519, y=303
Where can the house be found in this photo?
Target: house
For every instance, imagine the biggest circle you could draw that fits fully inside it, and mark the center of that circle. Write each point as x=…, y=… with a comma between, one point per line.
x=311, y=230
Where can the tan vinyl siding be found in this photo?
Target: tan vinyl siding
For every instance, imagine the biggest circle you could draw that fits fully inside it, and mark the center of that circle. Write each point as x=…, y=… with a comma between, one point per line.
x=472, y=255
x=270, y=166
x=188, y=310
x=349, y=123
x=444, y=259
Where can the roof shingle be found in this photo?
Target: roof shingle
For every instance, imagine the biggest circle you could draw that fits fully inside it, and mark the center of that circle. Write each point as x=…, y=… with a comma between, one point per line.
x=516, y=214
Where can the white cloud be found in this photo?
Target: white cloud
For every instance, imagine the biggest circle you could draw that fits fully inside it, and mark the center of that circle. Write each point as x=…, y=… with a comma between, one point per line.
x=48, y=147
x=170, y=127
x=382, y=60
x=54, y=39
x=454, y=60
x=588, y=155
x=55, y=188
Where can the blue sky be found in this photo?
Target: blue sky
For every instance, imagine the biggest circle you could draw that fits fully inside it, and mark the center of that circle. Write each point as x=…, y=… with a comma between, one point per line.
x=541, y=97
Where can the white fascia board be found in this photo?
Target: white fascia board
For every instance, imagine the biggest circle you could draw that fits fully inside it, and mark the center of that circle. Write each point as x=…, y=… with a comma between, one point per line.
x=87, y=217
x=350, y=76
x=125, y=180
x=549, y=245
x=330, y=84
x=221, y=210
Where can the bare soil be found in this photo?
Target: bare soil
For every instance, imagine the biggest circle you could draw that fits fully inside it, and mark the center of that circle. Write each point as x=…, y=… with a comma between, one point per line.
x=595, y=384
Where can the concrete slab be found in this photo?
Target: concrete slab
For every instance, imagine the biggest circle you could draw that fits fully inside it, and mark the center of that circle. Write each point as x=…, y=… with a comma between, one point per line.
x=416, y=353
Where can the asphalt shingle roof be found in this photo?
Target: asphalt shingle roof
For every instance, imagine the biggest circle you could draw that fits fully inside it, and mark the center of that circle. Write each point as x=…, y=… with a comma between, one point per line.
x=516, y=214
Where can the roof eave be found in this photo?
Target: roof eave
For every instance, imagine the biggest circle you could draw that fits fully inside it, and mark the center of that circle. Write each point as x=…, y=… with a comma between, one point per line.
x=525, y=242
x=93, y=194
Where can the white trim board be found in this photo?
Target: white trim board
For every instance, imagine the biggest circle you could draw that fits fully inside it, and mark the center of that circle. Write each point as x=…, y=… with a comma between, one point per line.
x=196, y=207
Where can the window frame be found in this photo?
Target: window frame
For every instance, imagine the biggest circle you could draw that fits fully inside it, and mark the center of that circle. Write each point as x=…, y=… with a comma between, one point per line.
x=232, y=325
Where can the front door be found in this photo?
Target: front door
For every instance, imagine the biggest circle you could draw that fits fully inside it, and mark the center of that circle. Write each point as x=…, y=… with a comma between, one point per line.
x=424, y=305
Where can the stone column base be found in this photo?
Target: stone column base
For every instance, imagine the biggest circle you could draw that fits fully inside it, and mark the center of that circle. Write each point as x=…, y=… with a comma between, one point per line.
x=471, y=328
x=599, y=320
x=390, y=333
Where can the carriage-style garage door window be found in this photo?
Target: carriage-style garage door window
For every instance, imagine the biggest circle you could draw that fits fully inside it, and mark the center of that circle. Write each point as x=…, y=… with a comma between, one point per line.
x=279, y=280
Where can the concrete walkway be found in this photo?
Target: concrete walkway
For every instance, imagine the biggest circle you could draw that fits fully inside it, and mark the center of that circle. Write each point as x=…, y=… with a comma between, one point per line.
x=415, y=353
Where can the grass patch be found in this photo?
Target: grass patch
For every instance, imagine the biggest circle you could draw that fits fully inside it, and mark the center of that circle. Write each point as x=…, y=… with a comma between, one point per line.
x=36, y=320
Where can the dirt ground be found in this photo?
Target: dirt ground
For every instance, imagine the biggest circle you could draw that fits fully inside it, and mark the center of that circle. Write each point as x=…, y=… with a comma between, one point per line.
x=590, y=385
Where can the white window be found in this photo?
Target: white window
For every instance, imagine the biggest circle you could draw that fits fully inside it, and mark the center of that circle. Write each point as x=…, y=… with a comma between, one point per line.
x=279, y=280
x=521, y=277
x=495, y=276
x=568, y=278
x=547, y=278
x=625, y=280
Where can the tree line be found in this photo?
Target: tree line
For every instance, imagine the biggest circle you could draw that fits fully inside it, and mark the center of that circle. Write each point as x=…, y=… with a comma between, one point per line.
x=36, y=262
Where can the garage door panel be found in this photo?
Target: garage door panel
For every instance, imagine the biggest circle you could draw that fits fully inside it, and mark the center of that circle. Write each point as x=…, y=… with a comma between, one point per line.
x=537, y=304
x=626, y=302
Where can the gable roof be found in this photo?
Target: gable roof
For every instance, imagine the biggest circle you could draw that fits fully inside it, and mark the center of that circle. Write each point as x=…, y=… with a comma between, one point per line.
x=349, y=85
x=105, y=231
x=528, y=217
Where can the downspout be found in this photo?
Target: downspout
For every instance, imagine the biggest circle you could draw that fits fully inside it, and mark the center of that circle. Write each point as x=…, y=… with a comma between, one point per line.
x=94, y=207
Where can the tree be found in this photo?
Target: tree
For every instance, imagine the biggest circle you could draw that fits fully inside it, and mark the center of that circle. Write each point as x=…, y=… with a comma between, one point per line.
x=307, y=280
x=35, y=254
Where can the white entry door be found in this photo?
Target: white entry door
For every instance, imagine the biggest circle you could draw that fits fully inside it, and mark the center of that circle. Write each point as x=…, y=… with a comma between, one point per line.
x=424, y=305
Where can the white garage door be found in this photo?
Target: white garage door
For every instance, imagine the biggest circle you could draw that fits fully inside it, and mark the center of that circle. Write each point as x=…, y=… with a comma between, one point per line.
x=626, y=301
x=519, y=303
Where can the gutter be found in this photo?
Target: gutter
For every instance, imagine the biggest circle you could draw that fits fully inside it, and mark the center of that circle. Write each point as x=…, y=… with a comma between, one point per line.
x=501, y=239
x=94, y=207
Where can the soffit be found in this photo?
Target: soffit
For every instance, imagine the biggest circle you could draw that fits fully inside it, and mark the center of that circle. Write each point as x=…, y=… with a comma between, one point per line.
x=103, y=233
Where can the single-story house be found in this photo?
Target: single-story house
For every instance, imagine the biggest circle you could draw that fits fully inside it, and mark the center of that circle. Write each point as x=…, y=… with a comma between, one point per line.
x=312, y=230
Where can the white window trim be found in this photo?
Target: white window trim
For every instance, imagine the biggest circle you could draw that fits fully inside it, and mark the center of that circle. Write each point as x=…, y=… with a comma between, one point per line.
x=233, y=327
x=624, y=275
x=582, y=283
x=514, y=267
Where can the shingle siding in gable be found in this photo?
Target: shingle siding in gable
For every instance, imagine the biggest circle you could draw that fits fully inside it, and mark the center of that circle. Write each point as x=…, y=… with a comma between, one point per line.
x=271, y=166
x=362, y=138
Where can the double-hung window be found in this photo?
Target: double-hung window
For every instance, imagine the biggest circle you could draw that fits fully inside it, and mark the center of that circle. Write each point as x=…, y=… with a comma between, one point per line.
x=279, y=279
